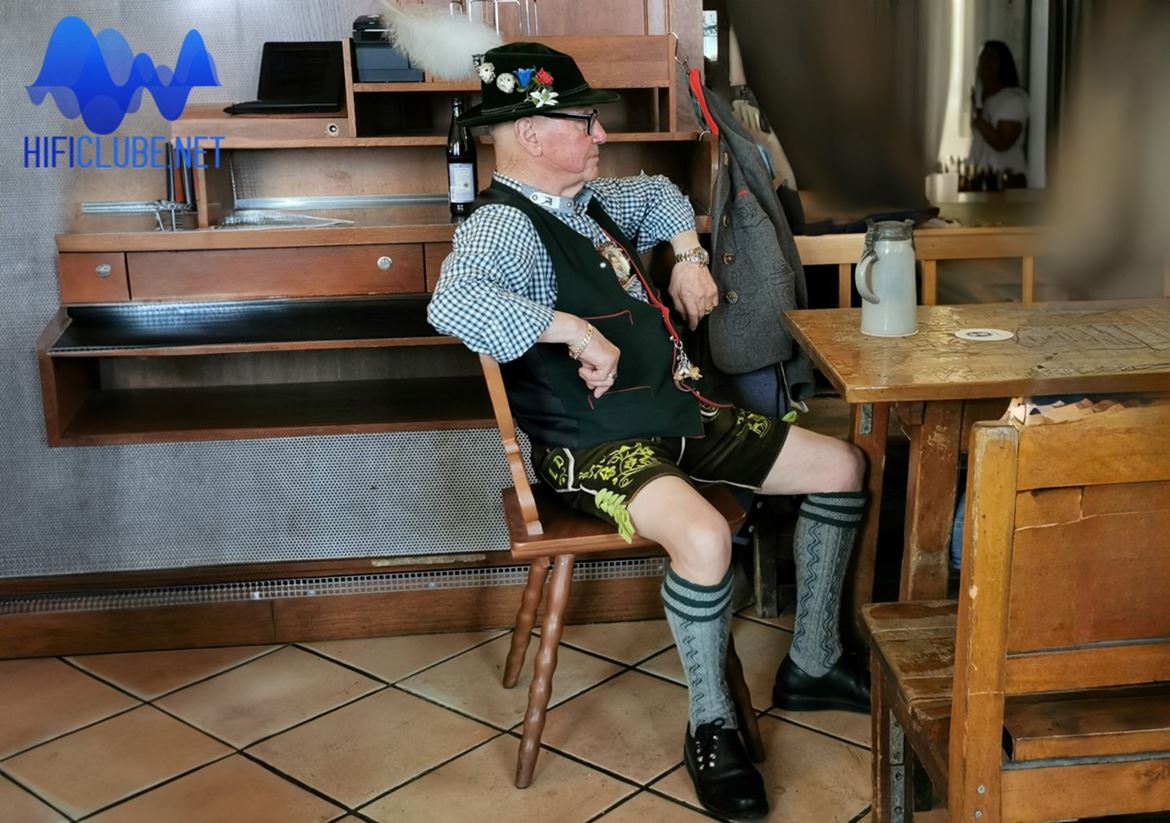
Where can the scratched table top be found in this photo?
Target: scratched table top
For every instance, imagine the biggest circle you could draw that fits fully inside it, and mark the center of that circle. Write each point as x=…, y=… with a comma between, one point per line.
x=1055, y=348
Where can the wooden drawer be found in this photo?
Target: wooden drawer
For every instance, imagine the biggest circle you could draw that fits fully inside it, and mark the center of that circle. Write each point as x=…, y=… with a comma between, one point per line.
x=316, y=271
x=92, y=278
x=436, y=253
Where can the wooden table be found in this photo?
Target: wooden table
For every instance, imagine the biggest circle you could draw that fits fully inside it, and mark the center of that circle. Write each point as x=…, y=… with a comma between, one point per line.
x=938, y=384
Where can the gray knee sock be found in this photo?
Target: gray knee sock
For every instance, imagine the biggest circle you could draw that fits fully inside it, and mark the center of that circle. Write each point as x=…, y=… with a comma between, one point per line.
x=825, y=531
x=700, y=619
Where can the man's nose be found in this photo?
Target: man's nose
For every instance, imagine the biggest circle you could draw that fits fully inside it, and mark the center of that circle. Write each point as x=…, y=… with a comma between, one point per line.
x=598, y=132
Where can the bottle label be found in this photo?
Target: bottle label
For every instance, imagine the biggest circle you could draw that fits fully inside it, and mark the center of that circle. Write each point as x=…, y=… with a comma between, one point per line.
x=461, y=182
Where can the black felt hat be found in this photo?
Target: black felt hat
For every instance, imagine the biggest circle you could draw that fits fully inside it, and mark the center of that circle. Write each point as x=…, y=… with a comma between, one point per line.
x=523, y=79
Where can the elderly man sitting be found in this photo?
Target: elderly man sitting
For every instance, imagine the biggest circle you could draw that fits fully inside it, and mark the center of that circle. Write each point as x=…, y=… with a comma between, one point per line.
x=544, y=277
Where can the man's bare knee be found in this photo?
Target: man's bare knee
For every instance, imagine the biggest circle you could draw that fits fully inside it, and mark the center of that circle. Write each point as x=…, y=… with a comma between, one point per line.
x=848, y=469
x=702, y=551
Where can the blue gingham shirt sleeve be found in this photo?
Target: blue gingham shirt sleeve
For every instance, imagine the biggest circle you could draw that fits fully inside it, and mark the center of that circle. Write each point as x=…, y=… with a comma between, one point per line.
x=490, y=294
x=648, y=208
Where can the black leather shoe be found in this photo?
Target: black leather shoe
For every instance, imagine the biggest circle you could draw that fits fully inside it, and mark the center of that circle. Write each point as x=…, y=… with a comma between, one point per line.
x=725, y=780
x=845, y=686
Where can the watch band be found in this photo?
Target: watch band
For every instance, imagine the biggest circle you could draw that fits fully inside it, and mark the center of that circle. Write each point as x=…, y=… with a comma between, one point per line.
x=698, y=255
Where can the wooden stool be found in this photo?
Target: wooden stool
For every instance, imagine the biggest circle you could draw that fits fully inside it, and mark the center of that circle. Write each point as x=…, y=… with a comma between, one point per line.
x=546, y=533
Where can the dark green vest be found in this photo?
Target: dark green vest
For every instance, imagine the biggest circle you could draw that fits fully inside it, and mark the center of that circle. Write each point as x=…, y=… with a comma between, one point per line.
x=549, y=400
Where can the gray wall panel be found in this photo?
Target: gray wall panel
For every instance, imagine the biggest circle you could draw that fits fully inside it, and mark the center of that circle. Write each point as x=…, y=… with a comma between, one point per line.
x=173, y=505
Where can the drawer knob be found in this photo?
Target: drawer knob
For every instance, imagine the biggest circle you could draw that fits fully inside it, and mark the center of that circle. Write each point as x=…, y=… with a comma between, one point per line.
x=103, y=269
x=384, y=263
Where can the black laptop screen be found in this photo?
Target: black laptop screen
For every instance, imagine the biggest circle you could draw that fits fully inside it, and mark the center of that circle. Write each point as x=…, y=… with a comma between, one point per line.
x=301, y=72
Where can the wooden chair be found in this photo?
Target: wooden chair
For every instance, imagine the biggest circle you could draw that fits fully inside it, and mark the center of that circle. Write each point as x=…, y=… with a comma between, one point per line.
x=544, y=532
x=1044, y=693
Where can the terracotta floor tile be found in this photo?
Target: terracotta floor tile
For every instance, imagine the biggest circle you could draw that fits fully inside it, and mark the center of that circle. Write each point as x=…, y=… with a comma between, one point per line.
x=760, y=649
x=649, y=808
x=43, y=698
x=229, y=791
x=809, y=776
x=150, y=674
x=478, y=787
x=20, y=805
x=785, y=620
x=471, y=681
x=633, y=726
x=393, y=658
x=267, y=696
x=366, y=748
x=625, y=642
x=99, y=765
x=846, y=725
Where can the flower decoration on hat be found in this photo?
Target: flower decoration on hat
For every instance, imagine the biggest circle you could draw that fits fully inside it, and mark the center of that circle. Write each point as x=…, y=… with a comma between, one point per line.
x=543, y=96
x=535, y=83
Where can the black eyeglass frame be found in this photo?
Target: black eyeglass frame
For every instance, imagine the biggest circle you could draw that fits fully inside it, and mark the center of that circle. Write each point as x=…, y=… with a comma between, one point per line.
x=589, y=118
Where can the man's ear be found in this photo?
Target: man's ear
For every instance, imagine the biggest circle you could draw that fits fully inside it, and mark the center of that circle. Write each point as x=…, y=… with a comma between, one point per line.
x=527, y=136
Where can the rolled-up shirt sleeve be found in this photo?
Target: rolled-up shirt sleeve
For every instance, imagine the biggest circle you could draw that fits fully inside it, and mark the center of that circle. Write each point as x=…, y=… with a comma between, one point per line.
x=489, y=294
x=648, y=208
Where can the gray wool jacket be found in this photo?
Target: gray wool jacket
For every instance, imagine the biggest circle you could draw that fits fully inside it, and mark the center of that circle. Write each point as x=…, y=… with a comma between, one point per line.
x=754, y=262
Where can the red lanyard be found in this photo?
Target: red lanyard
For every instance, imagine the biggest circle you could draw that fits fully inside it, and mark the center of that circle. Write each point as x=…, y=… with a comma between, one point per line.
x=664, y=310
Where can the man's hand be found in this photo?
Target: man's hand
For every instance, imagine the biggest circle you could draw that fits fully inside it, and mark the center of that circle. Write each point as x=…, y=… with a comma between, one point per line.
x=693, y=290
x=598, y=359
x=599, y=363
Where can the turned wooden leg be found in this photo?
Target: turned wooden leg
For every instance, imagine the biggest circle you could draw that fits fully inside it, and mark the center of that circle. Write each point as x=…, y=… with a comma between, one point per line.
x=546, y=663
x=525, y=619
x=742, y=698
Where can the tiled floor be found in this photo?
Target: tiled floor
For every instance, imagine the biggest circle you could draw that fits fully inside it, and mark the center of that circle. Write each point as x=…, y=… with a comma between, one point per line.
x=396, y=729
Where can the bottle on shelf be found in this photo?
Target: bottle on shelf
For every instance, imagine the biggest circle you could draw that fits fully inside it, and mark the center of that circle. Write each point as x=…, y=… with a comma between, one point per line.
x=461, y=170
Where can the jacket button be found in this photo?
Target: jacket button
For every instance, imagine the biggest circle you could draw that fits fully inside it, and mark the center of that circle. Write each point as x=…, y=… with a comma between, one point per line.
x=726, y=221
x=731, y=297
x=729, y=258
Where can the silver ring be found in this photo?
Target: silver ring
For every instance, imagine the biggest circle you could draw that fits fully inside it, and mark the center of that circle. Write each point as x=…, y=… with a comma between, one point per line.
x=708, y=311
x=611, y=375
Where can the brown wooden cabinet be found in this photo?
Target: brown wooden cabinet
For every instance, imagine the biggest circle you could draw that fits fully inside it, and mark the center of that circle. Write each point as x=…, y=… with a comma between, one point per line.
x=221, y=333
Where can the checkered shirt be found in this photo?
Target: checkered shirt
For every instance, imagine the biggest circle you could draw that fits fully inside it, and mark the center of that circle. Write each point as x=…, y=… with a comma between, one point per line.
x=497, y=288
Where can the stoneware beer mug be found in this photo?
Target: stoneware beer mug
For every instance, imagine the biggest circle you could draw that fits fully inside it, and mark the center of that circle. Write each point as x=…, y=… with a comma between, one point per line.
x=885, y=280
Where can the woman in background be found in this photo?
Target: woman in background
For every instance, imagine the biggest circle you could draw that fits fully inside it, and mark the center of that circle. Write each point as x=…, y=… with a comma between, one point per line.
x=1000, y=114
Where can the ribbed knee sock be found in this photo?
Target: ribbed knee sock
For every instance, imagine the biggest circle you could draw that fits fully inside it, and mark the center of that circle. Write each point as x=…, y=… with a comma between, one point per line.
x=825, y=532
x=700, y=619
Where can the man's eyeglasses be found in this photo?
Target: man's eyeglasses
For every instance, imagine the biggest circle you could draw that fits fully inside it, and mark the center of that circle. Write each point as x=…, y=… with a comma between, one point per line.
x=588, y=119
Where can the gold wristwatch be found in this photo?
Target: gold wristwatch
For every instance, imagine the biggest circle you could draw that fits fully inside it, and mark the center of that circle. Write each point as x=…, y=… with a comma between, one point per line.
x=698, y=255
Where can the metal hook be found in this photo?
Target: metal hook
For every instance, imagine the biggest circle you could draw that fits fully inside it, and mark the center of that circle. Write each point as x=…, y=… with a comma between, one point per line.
x=684, y=62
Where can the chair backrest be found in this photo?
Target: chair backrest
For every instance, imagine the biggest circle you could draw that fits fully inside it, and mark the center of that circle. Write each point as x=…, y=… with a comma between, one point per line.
x=1065, y=588
x=512, y=453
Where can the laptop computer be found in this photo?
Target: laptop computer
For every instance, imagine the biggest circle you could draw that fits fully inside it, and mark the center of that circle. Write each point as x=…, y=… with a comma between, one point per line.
x=297, y=78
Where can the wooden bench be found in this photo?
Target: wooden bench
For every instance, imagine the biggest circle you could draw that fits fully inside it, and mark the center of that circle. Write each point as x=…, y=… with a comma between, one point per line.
x=544, y=532
x=1044, y=693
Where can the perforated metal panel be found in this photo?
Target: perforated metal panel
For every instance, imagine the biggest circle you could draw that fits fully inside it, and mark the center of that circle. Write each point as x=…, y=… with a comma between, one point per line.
x=173, y=505
x=625, y=568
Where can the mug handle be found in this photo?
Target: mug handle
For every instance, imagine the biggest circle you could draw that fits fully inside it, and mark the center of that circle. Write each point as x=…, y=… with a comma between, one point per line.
x=861, y=278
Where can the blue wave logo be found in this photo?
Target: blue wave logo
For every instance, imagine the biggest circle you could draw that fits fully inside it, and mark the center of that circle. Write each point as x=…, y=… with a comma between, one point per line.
x=100, y=79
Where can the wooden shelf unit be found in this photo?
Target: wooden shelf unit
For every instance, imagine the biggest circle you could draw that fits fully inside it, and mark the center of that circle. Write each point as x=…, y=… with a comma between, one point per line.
x=154, y=372
x=202, y=383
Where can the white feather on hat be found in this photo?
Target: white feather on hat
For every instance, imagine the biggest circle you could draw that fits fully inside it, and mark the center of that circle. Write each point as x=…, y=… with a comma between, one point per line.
x=442, y=44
